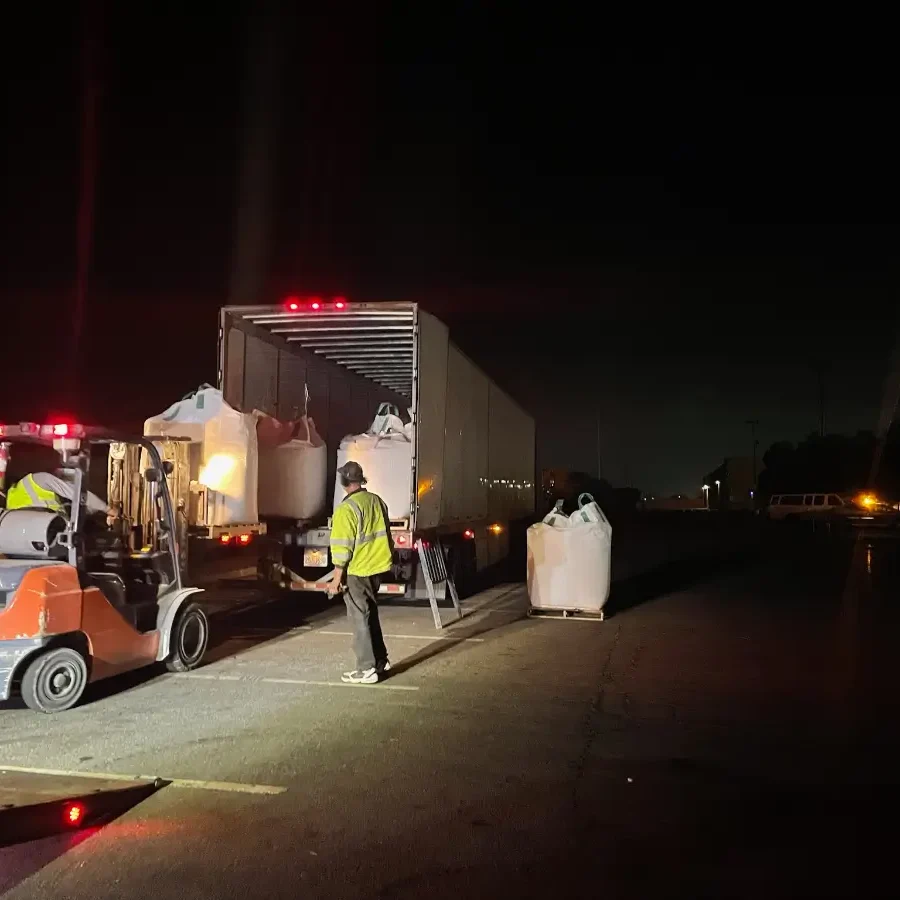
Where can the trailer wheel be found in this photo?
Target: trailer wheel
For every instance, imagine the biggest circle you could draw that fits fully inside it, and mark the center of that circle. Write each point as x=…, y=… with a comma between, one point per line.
x=190, y=635
x=55, y=681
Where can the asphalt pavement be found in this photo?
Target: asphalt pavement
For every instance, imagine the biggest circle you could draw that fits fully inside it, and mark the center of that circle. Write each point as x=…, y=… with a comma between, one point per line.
x=726, y=732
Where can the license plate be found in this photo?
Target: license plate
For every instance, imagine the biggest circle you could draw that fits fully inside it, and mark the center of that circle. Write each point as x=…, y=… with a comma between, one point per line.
x=315, y=557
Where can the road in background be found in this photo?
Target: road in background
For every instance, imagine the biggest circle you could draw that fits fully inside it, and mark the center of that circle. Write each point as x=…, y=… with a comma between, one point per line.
x=727, y=731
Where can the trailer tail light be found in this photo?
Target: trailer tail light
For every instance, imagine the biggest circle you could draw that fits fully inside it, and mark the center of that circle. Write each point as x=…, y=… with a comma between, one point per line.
x=73, y=814
x=403, y=539
x=224, y=538
x=292, y=304
x=340, y=303
x=469, y=535
x=315, y=303
x=244, y=539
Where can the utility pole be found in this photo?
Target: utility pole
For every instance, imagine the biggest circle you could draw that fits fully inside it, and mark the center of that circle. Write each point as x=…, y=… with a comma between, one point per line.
x=820, y=382
x=753, y=423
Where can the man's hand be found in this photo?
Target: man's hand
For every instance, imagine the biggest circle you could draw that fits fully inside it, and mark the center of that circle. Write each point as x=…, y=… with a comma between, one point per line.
x=334, y=586
x=111, y=515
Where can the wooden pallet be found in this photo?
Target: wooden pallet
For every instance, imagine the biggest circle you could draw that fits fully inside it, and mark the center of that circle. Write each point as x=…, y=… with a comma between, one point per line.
x=583, y=615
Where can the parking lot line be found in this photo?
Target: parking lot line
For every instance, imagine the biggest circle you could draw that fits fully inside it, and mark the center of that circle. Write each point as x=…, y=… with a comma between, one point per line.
x=232, y=787
x=410, y=637
x=299, y=681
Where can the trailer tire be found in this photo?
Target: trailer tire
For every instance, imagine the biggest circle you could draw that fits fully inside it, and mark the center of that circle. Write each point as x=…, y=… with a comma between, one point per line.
x=55, y=680
x=190, y=636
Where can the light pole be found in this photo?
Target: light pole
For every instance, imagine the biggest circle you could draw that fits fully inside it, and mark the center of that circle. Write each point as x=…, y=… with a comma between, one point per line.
x=706, y=495
x=718, y=493
x=753, y=423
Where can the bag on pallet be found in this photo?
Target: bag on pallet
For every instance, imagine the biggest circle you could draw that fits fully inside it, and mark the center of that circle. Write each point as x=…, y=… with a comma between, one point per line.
x=568, y=562
x=385, y=454
x=228, y=455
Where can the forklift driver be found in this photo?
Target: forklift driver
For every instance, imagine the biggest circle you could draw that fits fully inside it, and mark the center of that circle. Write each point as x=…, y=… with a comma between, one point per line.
x=41, y=490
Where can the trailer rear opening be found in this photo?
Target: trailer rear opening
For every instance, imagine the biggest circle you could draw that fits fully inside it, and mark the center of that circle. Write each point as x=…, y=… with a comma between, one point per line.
x=473, y=459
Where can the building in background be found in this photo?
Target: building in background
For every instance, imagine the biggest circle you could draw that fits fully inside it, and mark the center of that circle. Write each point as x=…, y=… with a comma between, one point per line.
x=731, y=486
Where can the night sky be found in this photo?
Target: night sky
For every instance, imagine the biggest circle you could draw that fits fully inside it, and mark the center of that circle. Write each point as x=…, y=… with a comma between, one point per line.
x=664, y=238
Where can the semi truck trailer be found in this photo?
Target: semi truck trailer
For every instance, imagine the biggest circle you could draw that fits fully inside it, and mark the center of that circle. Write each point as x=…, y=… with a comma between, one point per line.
x=472, y=464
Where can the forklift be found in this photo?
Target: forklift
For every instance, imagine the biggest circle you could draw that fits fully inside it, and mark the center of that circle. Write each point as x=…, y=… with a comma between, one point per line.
x=82, y=600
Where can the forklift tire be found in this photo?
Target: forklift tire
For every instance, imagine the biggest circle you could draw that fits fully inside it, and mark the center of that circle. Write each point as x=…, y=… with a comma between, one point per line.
x=55, y=681
x=189, y=638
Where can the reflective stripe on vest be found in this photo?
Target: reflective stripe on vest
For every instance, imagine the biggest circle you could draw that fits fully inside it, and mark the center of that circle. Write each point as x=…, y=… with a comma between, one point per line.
x=27, y=493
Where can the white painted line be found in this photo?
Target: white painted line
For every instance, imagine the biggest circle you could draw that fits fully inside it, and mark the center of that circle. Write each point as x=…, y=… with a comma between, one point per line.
x=410, y=637
x=299, y=681
x=381, y=685
x=233, y=787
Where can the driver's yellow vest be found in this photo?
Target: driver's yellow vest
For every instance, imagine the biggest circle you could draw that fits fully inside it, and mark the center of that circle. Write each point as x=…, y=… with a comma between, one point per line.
x=28, y=493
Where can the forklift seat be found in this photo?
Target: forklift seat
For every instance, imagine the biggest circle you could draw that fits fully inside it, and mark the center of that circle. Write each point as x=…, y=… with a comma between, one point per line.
x=110, y=585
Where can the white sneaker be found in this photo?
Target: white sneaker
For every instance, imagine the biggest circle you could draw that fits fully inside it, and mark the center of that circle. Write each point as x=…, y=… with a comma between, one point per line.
x=383, y=667
x=370, y=676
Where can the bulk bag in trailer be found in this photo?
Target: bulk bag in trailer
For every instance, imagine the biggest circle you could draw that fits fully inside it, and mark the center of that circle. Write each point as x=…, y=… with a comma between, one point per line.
x=569, y=562
x=385, y=454
x=293, y=475
x=228, y=455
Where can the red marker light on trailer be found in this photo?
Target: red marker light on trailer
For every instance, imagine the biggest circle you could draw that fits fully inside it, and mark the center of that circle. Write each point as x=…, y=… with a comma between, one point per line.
x=468, y=534
x=73, y=814
x=340, y=303
x=315, y=303
x=244, y=539
x=401, y=540
x=225, y=538
x=292, y=303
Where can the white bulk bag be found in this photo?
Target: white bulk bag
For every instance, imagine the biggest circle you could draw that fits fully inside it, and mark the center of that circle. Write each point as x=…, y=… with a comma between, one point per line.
x=385, y=454
x=569, y=564
x=228, y=455
x=293, y=475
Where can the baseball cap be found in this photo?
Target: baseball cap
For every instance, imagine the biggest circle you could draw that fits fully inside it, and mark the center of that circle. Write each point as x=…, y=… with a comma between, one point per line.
x=352, y=472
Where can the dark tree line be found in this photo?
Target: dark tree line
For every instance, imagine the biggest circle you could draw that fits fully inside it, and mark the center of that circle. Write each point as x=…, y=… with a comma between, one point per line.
x=835, y=462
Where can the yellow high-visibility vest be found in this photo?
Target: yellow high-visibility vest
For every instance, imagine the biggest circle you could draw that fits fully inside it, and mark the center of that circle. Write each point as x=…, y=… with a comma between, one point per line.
x=360, y=535
x=28, y=493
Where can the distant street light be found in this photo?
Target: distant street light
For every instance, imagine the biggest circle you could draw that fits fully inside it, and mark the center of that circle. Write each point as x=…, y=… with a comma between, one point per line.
x=706, y=494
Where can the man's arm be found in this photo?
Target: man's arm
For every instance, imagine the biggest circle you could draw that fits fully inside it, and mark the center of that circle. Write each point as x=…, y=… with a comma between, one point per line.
x=343, y=542
x=66, y=490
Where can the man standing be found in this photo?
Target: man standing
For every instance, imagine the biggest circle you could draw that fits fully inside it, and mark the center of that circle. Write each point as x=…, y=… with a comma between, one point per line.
x=361, y=546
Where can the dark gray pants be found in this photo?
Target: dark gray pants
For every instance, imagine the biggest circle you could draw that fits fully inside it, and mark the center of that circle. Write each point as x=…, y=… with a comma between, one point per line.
x=362, y=611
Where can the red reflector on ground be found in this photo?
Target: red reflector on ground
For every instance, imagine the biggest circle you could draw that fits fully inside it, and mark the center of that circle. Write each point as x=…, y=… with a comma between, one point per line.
x=74, y=814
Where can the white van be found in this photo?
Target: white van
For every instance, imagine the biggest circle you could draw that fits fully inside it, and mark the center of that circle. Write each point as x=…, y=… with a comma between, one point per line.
x=783, y=505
